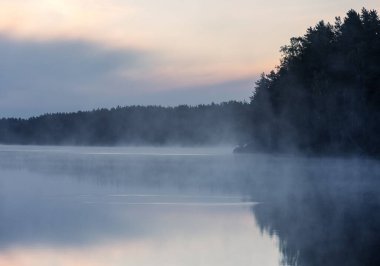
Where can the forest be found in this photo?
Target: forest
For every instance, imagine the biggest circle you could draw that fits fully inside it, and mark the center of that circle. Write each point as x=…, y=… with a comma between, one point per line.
x=211, y=124
x=322, y=98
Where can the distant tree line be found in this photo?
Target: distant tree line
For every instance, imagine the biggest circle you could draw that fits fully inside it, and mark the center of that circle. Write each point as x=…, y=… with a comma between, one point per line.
x=137, y=125
x=324, y=97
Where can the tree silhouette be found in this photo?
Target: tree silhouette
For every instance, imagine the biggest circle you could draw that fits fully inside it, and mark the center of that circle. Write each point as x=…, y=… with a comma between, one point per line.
x=139, y=125
x=325, y=94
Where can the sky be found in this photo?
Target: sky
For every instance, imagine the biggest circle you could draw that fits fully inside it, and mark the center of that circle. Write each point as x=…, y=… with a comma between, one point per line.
x=69, y=55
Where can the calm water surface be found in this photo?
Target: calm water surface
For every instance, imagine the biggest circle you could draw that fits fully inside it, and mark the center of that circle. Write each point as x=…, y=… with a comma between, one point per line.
x=184, y=206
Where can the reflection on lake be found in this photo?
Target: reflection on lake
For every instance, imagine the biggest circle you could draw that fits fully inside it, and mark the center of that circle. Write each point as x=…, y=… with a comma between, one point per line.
x=166, y=206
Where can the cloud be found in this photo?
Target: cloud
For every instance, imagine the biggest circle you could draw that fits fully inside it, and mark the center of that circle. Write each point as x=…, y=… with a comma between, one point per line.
x=195, y=46
x=67, y=19
x=37, y=76
x=58, y=64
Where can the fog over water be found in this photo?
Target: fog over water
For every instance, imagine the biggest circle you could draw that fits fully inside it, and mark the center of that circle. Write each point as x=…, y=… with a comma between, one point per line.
x=185, y=206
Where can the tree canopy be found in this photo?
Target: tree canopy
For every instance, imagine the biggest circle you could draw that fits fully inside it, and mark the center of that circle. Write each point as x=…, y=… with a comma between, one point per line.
x=137, y=125
x=325, y=94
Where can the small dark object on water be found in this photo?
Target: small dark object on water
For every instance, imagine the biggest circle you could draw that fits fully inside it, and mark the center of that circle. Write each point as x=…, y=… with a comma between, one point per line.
x=244, y=148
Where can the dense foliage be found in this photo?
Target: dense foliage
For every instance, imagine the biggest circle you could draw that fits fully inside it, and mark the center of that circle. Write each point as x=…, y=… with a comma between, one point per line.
x=139, y=125
x=324, y=97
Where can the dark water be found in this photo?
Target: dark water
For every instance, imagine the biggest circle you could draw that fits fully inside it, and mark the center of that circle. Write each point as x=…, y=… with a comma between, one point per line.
x=177, y=206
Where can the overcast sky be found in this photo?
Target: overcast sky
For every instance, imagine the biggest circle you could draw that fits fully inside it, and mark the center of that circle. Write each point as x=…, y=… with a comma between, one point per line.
x=67, y=55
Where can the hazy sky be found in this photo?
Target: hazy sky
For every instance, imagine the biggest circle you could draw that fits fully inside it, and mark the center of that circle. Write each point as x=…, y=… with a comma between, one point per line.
x=66, y=55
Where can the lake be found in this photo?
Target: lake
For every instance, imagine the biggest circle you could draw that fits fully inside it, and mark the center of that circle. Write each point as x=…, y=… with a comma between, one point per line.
x=185, y=206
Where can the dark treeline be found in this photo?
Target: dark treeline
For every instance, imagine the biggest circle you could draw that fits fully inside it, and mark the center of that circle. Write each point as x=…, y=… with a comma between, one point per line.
x=138, y=125
x=324, y=97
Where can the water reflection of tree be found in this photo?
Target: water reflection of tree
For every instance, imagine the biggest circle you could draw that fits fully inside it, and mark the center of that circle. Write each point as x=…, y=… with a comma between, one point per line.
x=325, y=222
